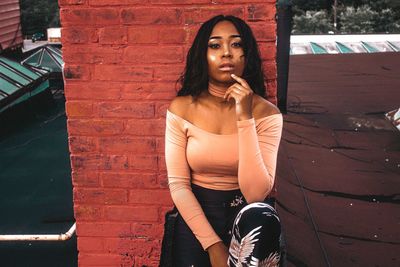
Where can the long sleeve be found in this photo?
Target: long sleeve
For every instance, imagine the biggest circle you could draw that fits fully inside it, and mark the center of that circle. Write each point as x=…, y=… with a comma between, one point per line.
x=258, y=150
x=179, y=182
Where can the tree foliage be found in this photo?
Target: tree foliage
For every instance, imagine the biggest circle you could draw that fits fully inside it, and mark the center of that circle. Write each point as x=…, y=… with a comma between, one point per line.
x=357, y=20
x=307, y=5
x=310, y=16
x=316, y=22
x=38, y=15
x=354, y=16
x=387, y=22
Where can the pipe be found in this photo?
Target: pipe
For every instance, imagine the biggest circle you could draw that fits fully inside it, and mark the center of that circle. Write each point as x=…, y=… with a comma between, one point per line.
x=60, y=237
x=284, y=28
x=335, y=14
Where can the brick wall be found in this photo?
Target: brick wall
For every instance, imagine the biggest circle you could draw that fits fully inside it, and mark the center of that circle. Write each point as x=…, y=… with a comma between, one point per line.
x=122, y=58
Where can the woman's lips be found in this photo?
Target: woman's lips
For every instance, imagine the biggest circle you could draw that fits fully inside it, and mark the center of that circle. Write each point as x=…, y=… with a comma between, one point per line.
x=226, y=67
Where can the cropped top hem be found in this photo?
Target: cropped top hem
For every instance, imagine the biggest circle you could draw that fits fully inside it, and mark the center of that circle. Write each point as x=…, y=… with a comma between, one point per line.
x=215, y=186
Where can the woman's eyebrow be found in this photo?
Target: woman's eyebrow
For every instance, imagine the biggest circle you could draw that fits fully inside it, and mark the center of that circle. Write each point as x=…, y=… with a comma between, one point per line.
x=220, y=37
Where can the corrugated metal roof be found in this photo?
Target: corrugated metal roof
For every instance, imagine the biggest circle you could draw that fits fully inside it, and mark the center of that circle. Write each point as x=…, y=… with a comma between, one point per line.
x=10, y=24
x=344, y=44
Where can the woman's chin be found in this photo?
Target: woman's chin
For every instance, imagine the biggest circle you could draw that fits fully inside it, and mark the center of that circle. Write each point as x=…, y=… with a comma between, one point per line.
x=226, y=82
x=226, y=78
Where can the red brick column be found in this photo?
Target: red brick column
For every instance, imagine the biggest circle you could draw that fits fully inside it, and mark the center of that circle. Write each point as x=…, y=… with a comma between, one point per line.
x=122, y=58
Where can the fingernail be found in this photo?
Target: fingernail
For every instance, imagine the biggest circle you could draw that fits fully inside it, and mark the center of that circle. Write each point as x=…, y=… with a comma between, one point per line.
x=233, y=75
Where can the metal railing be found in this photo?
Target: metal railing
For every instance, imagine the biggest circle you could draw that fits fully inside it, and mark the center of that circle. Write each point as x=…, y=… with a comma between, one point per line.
x=41, y=237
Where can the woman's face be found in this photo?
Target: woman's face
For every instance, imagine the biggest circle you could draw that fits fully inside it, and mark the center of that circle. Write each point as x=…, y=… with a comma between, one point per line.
x=225, y=53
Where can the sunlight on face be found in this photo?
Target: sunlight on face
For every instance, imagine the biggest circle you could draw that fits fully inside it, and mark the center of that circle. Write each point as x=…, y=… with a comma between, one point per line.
x=225, y=53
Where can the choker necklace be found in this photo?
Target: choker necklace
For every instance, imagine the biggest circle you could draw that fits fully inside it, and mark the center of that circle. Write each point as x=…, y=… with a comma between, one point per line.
x=215, y=91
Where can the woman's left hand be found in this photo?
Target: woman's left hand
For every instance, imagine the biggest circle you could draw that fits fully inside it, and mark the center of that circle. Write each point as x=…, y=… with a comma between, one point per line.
x=243, y=96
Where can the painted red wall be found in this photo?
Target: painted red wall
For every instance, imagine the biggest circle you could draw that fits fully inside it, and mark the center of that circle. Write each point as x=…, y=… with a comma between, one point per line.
x=122, y=58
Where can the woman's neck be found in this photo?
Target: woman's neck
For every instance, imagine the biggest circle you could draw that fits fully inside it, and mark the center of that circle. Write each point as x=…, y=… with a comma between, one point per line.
x=217, y=90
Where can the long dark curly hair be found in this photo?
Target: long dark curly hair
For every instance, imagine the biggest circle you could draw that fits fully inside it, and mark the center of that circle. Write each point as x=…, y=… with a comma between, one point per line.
x=194, y=79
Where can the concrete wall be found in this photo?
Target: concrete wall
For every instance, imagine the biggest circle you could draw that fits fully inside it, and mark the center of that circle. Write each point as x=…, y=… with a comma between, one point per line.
x=122, y=58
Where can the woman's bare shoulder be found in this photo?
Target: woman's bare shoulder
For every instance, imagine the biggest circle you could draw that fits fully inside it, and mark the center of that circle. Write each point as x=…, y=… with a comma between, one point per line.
x=263, y=108
x=180, y=105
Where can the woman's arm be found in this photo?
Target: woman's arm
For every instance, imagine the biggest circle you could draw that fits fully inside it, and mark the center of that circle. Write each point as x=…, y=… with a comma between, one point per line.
x=258, y=150
x=179, y=182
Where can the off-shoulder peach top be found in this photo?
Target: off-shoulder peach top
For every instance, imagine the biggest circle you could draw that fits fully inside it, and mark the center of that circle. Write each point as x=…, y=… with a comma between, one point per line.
x=245, y=160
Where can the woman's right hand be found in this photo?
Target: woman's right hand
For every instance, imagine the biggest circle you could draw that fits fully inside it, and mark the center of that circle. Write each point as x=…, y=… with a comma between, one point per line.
x=218, y=254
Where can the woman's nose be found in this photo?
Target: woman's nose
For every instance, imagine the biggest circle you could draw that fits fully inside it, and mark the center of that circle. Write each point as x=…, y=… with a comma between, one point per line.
x=227, y=51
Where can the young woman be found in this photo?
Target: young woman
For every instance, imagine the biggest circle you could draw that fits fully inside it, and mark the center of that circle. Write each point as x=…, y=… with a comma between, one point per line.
x=222, y=139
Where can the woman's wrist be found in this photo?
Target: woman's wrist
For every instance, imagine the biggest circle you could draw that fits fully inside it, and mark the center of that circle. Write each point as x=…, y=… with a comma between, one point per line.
x=216, y=248
x=243, y=117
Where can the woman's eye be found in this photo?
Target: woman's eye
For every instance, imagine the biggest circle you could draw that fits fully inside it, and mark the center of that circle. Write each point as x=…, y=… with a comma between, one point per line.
x=237, y=44
x=213, y=45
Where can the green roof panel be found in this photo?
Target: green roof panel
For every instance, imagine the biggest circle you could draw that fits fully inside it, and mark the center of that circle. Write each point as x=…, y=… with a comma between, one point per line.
x=48, y=58
x=20, y=68
x=8, y=87
x=49, y=62
x=34, y=58
x=369, y=48
x=55, y=50
x=343, y=49
x=394, y=47
x=317, y=49
x=13, y=75
x=18, y=83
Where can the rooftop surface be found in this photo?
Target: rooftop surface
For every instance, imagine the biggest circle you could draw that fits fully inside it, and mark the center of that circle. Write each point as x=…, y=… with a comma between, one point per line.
x=35, y=183
x=339, y=162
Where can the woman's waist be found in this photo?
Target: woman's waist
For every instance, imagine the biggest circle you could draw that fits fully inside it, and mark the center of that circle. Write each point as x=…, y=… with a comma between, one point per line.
x=222, y=198
x=216, y=198
x=219, y=182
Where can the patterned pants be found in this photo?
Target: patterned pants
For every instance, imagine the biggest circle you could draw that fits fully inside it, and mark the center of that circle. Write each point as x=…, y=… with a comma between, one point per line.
x=250, y=231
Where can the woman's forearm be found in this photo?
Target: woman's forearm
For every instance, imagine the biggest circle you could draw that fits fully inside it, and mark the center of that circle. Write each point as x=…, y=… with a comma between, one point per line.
x=192, y=213
x=257, y=156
